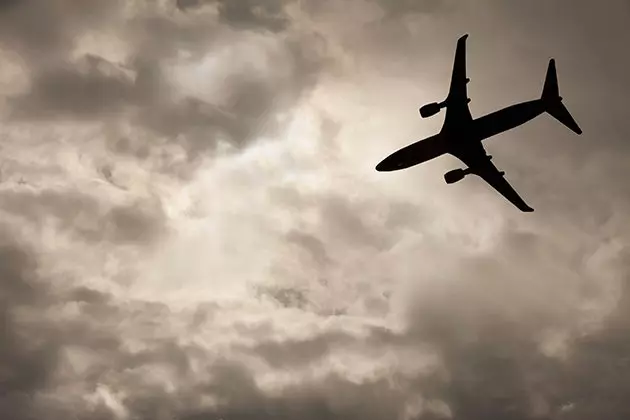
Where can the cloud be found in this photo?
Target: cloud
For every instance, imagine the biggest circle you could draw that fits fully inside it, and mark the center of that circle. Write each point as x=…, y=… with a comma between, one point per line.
x=193, y=227
x=397, y=8
x=45, y=29
x=27, y=362
x=267, y=14
x=86, y=215
x=140, y=89
x=75, y=92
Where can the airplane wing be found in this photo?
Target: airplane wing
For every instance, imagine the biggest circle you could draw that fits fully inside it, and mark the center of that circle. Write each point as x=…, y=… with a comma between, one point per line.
x=457, y=99
x=481, y=166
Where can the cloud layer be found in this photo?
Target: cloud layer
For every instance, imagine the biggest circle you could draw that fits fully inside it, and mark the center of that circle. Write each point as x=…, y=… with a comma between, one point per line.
x=192, y=227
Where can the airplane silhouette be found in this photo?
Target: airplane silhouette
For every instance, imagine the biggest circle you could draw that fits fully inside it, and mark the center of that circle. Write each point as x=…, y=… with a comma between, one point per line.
x=461, y=135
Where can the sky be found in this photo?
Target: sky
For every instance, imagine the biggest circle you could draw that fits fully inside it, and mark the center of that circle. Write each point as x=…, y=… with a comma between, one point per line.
x=192, y=226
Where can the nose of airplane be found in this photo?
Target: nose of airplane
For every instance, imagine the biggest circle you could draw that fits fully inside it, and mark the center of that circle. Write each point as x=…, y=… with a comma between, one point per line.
x=382, y=166
x=387, y=165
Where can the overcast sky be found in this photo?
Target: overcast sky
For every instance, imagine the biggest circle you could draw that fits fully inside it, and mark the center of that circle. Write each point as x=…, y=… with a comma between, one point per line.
x=192, y=227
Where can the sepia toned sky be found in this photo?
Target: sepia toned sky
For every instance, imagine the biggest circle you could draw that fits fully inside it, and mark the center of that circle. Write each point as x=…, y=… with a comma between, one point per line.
x=192, y=227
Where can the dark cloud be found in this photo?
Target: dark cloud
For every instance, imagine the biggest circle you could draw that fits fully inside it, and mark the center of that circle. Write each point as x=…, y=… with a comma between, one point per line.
x=266, y=14
x=341, y=220
x=75, y=93
x=330, y=398
x=507, y=318
x=314, y=247
x=138, y=91
x=398, y=8
x=247, y=13
x=492, y=365
x=188, y=4
x=286, y=297
x=42, y=29
x=596, y=374
x=26, y=361
x=299, y=353
x=495, y=363
x=88, y=217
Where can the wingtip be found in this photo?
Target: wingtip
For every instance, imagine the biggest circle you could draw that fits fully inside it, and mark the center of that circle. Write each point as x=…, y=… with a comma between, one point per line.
x=463, y=37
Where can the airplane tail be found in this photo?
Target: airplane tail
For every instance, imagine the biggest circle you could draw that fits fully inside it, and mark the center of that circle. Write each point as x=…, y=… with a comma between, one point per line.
x=553, y=101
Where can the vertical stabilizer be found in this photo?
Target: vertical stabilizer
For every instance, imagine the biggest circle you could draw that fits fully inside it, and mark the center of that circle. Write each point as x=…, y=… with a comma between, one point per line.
x=550, y=89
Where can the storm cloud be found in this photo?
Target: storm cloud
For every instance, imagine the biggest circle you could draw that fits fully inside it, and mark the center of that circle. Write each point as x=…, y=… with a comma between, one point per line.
x=191, y=225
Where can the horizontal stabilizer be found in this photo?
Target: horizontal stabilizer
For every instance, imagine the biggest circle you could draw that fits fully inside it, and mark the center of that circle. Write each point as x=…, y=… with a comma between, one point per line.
x=561, y=113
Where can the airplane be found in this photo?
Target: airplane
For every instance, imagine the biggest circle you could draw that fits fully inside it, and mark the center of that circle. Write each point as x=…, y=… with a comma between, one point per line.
x=461, y=136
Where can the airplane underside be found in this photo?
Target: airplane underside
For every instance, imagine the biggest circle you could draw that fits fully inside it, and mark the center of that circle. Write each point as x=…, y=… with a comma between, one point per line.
x=461, y=135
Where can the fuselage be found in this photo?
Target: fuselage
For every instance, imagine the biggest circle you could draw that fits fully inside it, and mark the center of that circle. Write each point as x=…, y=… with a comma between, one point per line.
x=462, y=135
x=506, y=119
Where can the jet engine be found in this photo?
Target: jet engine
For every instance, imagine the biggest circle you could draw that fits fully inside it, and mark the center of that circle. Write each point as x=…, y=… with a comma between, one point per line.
x=455, y=175
x=431, y=109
